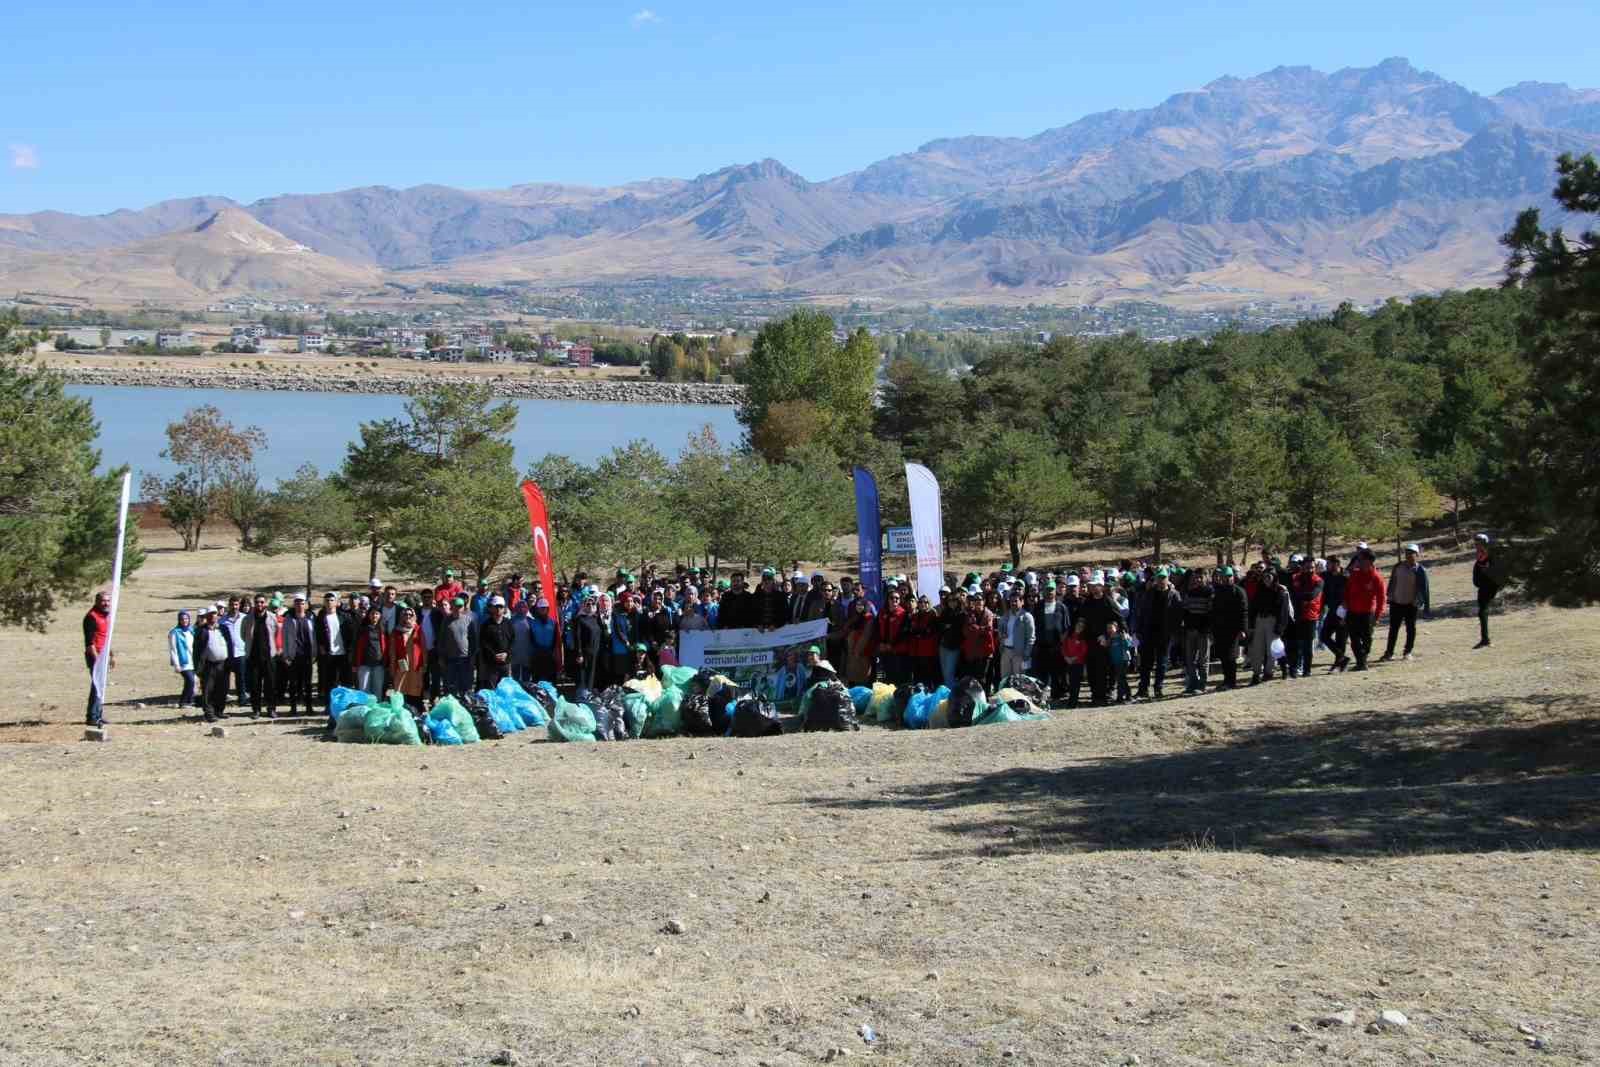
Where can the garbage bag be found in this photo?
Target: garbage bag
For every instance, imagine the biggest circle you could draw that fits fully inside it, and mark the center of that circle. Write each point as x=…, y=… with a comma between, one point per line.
x=635, y=712
x=1277, y=650
x=860, y=695
x=719, y=702
x=755, y=716
x=496, y=708
x=609, y=716
x=1028, y=686
x=340, y=699
x=696, y=709
x=678, y=677
x=547, y=696
x=829, y=708
x=375, y=721
x=443, y=731
x=881, y=707
x=919, y=709
x=399, y=729
x=649, y=685
x=666, y=716
x=352, y=724
x=451, y=709
x=573, y=722
x=483, y=719
x=940, y=719
x=968, y=702
x=524, y=705
x=999, y=712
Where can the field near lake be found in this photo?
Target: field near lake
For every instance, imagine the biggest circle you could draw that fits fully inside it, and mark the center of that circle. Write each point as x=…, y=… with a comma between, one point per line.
x=1196, y=881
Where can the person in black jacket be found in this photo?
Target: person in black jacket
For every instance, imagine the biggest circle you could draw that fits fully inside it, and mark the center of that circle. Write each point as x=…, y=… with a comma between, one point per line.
x=495, y=638
x=1333, y=631
x=770, y=603
x=1160, y=615
x=335, y=635
x=589, y=643
x=1230, y=620
x=1270, y=617
x=1199, y=610
x=1487, y=579
x=735, y=610
x=1095, y=612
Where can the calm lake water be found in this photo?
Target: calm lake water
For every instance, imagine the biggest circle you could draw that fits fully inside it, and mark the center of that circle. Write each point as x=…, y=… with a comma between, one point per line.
x=316, y=427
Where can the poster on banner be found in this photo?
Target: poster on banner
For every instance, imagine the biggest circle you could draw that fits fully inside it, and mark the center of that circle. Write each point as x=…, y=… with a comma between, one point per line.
x=749, y=657
x=927, y=524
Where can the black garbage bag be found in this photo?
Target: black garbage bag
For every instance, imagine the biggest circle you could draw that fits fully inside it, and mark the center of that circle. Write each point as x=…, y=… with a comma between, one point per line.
x=703, y=680
x=545, y=694
x=830, y=708
x=967, y=702
x=483, y=719
x=610, y=716
x=720, y=705
x=902, y=697
x=696, y=710
x=755, y=716
x=1028, y=686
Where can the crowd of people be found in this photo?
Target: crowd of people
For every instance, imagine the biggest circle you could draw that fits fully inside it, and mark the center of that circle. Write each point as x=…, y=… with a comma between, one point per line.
x=1109, y=628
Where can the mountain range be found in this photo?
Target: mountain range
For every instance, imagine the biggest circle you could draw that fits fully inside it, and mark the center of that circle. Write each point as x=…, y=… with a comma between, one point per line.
x=1293, y=185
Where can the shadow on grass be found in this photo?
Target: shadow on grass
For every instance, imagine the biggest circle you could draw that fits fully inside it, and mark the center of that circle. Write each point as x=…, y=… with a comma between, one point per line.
x=1461, y=776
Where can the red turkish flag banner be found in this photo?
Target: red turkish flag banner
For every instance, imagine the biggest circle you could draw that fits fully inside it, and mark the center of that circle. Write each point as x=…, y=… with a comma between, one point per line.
x=539, y=522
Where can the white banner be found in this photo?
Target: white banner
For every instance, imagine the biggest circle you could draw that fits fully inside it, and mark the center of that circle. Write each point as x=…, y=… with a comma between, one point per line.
x=102, y=662
x=927, y=522
x=746, y=648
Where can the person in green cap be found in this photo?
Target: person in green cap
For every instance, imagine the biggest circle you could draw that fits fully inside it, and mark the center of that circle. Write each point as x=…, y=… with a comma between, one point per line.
x=1230, y=623
x=448, y=588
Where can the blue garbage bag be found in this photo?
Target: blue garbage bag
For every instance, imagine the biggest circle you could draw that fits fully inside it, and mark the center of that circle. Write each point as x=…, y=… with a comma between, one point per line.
x=919, y=709
x=505, y=720
x=443, y=732
x=341, y=698
x=860, y=696
x=521, y=703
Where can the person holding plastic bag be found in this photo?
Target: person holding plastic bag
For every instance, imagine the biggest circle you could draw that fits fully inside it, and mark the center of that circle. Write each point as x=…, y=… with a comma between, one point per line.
x=1271, y=614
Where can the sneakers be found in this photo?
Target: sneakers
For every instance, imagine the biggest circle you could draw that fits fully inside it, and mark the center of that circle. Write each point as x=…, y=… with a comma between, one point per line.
x=1406, y=658
x=1386, y=657
x=1481, y=644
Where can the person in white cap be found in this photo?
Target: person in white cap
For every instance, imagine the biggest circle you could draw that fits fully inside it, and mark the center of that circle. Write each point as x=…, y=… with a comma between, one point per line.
x=496, y=639
x=1408, y=591
x=1487, y=579
x=1096, y=612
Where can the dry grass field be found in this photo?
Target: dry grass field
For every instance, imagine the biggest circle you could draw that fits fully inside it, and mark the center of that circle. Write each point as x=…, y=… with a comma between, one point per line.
x=1196, y=881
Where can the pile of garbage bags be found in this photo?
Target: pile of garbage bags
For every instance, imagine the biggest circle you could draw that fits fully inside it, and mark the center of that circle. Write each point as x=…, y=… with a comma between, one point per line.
x=683, y=702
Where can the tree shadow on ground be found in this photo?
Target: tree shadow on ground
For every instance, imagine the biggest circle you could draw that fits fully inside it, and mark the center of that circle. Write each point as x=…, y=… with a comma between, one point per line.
x=1460, y=776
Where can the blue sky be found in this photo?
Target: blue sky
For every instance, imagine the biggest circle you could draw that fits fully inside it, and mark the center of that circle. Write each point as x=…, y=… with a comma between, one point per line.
x=106, y=105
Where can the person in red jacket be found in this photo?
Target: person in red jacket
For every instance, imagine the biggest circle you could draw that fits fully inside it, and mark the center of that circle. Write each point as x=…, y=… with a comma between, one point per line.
x=1075, y=653
x=96, y=631
x=1305, y=588
x=1363, y=602
x=924, y=630
x=893, y=633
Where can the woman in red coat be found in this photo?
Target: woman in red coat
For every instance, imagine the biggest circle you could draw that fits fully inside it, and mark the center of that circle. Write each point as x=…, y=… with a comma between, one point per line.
x=925, y=644
x=407, y=657
x=893, y=634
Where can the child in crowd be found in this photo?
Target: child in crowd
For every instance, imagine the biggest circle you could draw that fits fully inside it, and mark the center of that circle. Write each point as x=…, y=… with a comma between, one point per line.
x=1120, y=648
x=1075, y=653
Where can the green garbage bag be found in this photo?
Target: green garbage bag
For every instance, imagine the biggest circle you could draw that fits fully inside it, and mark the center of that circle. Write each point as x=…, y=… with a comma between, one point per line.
x=999, y=712
x=678, y=677
x=398, y=728
x=635, y=713
x=666, y=716
x=450, y=708
x=352, y=724
x=375, y=721
x=572, y=722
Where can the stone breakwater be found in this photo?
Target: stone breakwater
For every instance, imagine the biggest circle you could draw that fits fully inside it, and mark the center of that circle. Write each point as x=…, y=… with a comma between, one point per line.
x=601, y=390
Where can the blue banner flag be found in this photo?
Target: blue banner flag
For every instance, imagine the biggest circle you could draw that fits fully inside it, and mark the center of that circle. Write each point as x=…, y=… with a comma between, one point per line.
x=871, y=536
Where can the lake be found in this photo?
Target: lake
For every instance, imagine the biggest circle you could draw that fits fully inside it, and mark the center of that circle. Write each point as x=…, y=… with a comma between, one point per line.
x=316, y=427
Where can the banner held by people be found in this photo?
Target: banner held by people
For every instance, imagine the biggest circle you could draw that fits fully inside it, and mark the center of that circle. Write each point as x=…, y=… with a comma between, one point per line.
x=927, y=520
x=748, y=656
x=869, y=536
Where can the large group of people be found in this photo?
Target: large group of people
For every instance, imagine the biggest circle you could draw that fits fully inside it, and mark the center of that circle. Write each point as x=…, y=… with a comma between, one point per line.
x=1118, y=630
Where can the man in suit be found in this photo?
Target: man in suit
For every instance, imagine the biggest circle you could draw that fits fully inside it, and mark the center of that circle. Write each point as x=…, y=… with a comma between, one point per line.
x=299, y=650
x=334, y=633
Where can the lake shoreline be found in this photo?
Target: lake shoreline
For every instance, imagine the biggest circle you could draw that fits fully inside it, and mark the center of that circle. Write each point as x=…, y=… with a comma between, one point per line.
x=594, y=390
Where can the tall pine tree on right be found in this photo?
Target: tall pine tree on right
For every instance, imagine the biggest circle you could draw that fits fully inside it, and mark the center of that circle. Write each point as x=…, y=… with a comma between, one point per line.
x=1549, y=497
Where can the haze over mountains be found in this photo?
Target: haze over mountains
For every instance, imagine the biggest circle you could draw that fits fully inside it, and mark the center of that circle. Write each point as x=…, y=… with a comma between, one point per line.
x=1291, y=185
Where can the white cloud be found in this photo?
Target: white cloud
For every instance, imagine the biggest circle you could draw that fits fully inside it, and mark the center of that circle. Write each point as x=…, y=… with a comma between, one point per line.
x=24, y=157
x=643, y=17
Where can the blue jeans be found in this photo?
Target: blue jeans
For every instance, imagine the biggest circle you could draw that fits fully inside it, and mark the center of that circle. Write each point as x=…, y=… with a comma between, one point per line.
x=1302, y=640
x=94, y=714
x=187, y=698
x=949, y=663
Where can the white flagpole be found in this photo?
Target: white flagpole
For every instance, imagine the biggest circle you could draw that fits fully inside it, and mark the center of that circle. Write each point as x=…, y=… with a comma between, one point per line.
x=103, y=661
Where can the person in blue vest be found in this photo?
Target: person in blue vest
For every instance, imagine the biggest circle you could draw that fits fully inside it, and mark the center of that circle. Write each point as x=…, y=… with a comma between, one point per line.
x=542, y=631
x=180, y=653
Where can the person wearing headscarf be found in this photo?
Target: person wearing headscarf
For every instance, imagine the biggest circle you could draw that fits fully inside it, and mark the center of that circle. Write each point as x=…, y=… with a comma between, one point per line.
x=180, y=653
